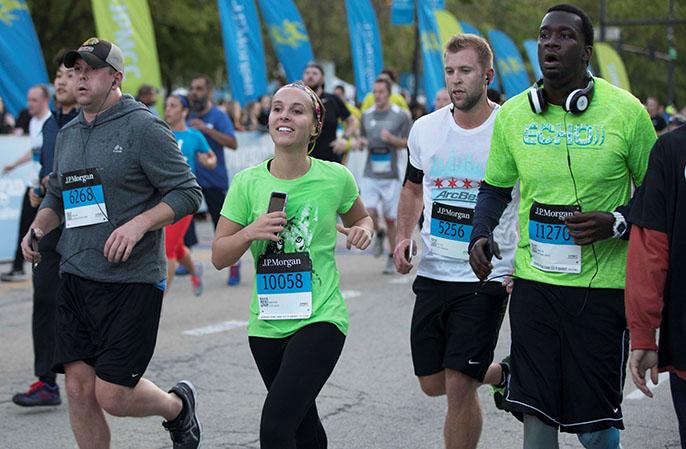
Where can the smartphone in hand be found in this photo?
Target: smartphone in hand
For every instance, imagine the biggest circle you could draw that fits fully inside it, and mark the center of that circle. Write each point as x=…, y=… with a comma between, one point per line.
x=277, y=202
x=409, y=251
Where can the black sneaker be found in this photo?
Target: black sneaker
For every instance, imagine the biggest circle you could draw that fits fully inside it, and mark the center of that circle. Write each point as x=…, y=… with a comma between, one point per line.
x=500, y=390
x=14, y=276
x=185, y=430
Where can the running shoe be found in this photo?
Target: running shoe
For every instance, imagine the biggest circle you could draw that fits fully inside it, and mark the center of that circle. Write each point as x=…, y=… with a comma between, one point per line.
x=500, y=391
x=14, y=276
x=234, y=274
x=181, y=270
x=185, y=430
x=39, y=393
x=378, y=243
x=196, y=280
x=390, y=265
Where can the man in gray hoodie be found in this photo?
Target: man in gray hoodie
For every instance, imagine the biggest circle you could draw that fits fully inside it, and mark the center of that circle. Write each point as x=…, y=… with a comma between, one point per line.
x=118, y=178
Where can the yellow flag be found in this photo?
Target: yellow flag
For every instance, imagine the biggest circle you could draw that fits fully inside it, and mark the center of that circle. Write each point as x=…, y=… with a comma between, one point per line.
x=448, y=26
x=127, y=23
x=611, y=65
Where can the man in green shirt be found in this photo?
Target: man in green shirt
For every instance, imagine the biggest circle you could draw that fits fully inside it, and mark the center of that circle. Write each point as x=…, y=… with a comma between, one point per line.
x=576, y=144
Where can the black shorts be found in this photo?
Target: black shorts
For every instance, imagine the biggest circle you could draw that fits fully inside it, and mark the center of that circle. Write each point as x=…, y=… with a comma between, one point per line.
x=455, y=325
x=111, y=327
x=569, y=352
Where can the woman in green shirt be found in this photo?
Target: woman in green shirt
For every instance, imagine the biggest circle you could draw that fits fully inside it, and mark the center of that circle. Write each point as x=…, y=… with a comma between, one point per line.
x=298, y=319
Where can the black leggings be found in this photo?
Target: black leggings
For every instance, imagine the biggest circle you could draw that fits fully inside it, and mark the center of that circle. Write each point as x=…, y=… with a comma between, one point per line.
x=294, y=370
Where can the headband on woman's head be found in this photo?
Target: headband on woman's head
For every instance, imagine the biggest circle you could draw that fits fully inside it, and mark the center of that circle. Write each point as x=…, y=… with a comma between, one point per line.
x=184, y=101
x=317, y=105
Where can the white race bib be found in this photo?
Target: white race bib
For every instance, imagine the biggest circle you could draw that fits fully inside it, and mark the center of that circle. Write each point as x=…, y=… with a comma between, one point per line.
x=284, y=286
x=552, y=248
x=451, y=229
x=380, y=161
x=83, y=198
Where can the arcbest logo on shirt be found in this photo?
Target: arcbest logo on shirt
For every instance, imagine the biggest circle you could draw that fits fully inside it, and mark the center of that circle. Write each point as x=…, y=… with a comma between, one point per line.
x=576, y=135
x=454, y=189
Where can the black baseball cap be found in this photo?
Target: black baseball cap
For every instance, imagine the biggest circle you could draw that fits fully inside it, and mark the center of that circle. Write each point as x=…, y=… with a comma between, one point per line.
x=97, y=54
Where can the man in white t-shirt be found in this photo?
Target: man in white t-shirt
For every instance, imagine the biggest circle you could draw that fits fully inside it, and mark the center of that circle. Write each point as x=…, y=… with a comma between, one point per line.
x=38, y=102
x=456, y=319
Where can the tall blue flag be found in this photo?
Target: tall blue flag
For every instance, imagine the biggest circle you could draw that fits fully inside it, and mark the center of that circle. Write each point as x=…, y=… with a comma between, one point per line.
x=289, y=36
x=509, y=62
x=471, y=29
x=402, y=11
x=243, y=49
x=432, y=50
x=531, y=48
x=365, y=42
x=22, y=63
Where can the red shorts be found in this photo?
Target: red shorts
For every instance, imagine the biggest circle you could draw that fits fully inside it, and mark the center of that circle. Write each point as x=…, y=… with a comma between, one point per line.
x=173, y=238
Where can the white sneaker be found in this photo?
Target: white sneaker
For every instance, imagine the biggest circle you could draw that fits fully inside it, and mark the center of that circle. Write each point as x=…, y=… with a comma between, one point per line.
x=390, y=265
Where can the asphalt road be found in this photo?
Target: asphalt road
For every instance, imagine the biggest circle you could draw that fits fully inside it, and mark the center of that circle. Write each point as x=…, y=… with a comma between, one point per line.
x=371, y=401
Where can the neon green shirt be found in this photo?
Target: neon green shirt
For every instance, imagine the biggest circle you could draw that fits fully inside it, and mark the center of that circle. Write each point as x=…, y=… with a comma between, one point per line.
x=314, y=202
x=609, y=145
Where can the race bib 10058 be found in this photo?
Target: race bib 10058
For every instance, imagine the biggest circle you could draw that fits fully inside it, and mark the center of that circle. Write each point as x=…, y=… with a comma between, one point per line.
x=83, y=198
x=552, y=248
x=284, y=286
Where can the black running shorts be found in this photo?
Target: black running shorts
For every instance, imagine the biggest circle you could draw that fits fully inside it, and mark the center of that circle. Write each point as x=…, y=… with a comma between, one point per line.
x=568, y=357
x=111, y=327
x=455, y=325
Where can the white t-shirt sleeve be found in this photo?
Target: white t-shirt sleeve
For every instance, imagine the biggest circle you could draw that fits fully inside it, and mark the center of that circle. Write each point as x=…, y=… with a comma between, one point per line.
x=414, y=147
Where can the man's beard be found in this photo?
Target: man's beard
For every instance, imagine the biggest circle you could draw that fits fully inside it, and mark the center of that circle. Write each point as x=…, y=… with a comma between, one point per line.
x=469, y=102
x=198, y=104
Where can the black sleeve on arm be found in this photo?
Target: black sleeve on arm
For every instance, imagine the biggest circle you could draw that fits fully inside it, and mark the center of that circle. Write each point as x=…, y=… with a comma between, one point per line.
x=647, y=202
x=413, y=174
x=490, y=205
x=625, y=210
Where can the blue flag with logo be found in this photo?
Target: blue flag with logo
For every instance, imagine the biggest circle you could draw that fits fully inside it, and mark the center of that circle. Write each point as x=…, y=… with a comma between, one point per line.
x=289, y=36
x=432, y=51
x=509, y=63
x=402, y=11
x=471, y=29
x=22, y=63
x=531, y=48
x=365, y=44
x=243, y=49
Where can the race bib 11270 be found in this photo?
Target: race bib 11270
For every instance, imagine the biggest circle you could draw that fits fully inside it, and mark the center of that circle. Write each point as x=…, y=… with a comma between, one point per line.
x=552, y=248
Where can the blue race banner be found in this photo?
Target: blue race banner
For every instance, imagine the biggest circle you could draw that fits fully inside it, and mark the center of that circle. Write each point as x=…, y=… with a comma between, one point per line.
x=509, y=63
x=289, y=36
x=365, y=44
x=22, y=60
x=402, y=11
x=471, y=29
x=531, y=49
x=244, y=49
x=432, y=50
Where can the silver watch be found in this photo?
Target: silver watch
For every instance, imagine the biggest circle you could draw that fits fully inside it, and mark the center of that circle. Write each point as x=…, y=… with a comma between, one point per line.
x=619, y=227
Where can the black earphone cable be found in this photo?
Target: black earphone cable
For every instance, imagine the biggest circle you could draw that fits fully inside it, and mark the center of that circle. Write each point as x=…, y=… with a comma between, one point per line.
x=578, y=203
